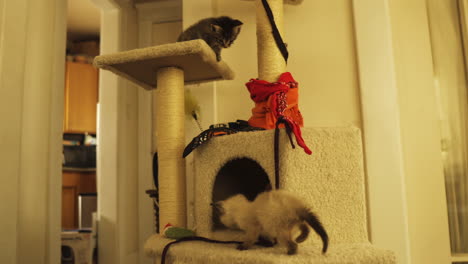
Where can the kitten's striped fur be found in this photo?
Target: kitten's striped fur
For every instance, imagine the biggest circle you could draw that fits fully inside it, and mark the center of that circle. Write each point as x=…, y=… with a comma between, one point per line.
x=218, y=32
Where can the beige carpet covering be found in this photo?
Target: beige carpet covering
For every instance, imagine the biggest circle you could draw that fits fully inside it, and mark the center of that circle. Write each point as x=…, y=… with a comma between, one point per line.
x=195, y=58
x=196, y=252
x=289, y=2
x=331, y=180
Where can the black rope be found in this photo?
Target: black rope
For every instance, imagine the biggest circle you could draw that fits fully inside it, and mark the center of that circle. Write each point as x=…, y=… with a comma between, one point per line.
x=276, y=35
x=156, y=185
x=192, y=238
x=276, y=149
x=276, y=146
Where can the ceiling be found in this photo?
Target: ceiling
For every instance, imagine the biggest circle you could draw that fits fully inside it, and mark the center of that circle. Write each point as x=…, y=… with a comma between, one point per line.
x=83, y=20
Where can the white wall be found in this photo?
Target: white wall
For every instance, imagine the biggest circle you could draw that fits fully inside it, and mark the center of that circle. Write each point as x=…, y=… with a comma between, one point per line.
x=420, y=133
x=192, y=11
x=322, y=59
x=233, y=99
x=408, y=213
x=32, y=55
x=388, y=216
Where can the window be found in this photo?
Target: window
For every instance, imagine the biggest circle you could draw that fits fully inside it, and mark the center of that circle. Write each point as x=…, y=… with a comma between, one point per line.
x=449, y=49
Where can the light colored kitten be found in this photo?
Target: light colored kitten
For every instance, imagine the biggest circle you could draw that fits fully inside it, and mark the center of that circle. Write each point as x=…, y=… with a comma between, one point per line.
x=273, y=214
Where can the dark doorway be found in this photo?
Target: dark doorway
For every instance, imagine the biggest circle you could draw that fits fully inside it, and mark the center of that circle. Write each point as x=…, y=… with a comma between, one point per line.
x=242, y=175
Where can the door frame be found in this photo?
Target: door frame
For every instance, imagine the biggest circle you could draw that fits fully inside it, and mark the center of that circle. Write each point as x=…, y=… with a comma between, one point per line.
x=117, y=150
x=405, y=181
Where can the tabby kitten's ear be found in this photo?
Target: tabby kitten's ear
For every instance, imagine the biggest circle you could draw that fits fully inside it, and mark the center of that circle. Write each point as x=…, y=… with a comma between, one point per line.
x=237, y=27
x=236, y=30
x=237, y=22
x=216, y=28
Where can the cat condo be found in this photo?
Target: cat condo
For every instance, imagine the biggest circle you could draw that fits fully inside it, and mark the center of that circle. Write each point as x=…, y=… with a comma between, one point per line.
x=331, y=180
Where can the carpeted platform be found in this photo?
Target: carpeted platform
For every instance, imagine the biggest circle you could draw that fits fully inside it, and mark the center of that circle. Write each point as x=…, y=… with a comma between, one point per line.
x=195, y=58
x=194, y=252
x=289, y=2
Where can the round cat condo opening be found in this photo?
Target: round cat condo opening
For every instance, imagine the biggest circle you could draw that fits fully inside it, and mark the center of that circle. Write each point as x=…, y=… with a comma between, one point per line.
x=240, y=175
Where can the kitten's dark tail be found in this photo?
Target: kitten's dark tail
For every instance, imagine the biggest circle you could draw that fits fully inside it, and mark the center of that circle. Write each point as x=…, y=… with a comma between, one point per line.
x=304, y=233
x=315, y=223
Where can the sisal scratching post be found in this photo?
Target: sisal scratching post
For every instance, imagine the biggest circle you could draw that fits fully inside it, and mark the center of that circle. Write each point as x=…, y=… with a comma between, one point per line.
x=171, y=142
x=271, y=63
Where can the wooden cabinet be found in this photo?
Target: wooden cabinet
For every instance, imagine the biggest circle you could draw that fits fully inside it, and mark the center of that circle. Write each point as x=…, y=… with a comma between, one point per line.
x=81, y=97
x=74, y=183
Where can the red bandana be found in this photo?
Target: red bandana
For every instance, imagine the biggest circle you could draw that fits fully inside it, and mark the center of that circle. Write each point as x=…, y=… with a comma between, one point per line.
x=274, y=100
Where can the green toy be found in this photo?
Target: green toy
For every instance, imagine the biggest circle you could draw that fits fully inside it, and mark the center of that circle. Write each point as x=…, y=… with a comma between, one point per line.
x=173, y=232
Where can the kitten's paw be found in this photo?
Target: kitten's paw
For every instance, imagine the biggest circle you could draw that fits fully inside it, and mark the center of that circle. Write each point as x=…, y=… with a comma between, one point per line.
x=266, y=242
x=242, y=247
x=292, y=248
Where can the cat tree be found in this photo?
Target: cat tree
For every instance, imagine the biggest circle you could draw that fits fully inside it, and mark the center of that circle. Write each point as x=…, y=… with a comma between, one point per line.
x=331, y=180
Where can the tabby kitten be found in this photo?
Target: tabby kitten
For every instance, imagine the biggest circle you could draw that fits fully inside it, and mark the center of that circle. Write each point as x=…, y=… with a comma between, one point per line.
x=217, y=32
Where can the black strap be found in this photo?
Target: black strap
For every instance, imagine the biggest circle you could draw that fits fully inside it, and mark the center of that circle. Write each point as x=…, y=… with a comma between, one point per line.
x=276, y=146
x=192, y=238
x=276, y=35
x=156, y=185
x=218, y=130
